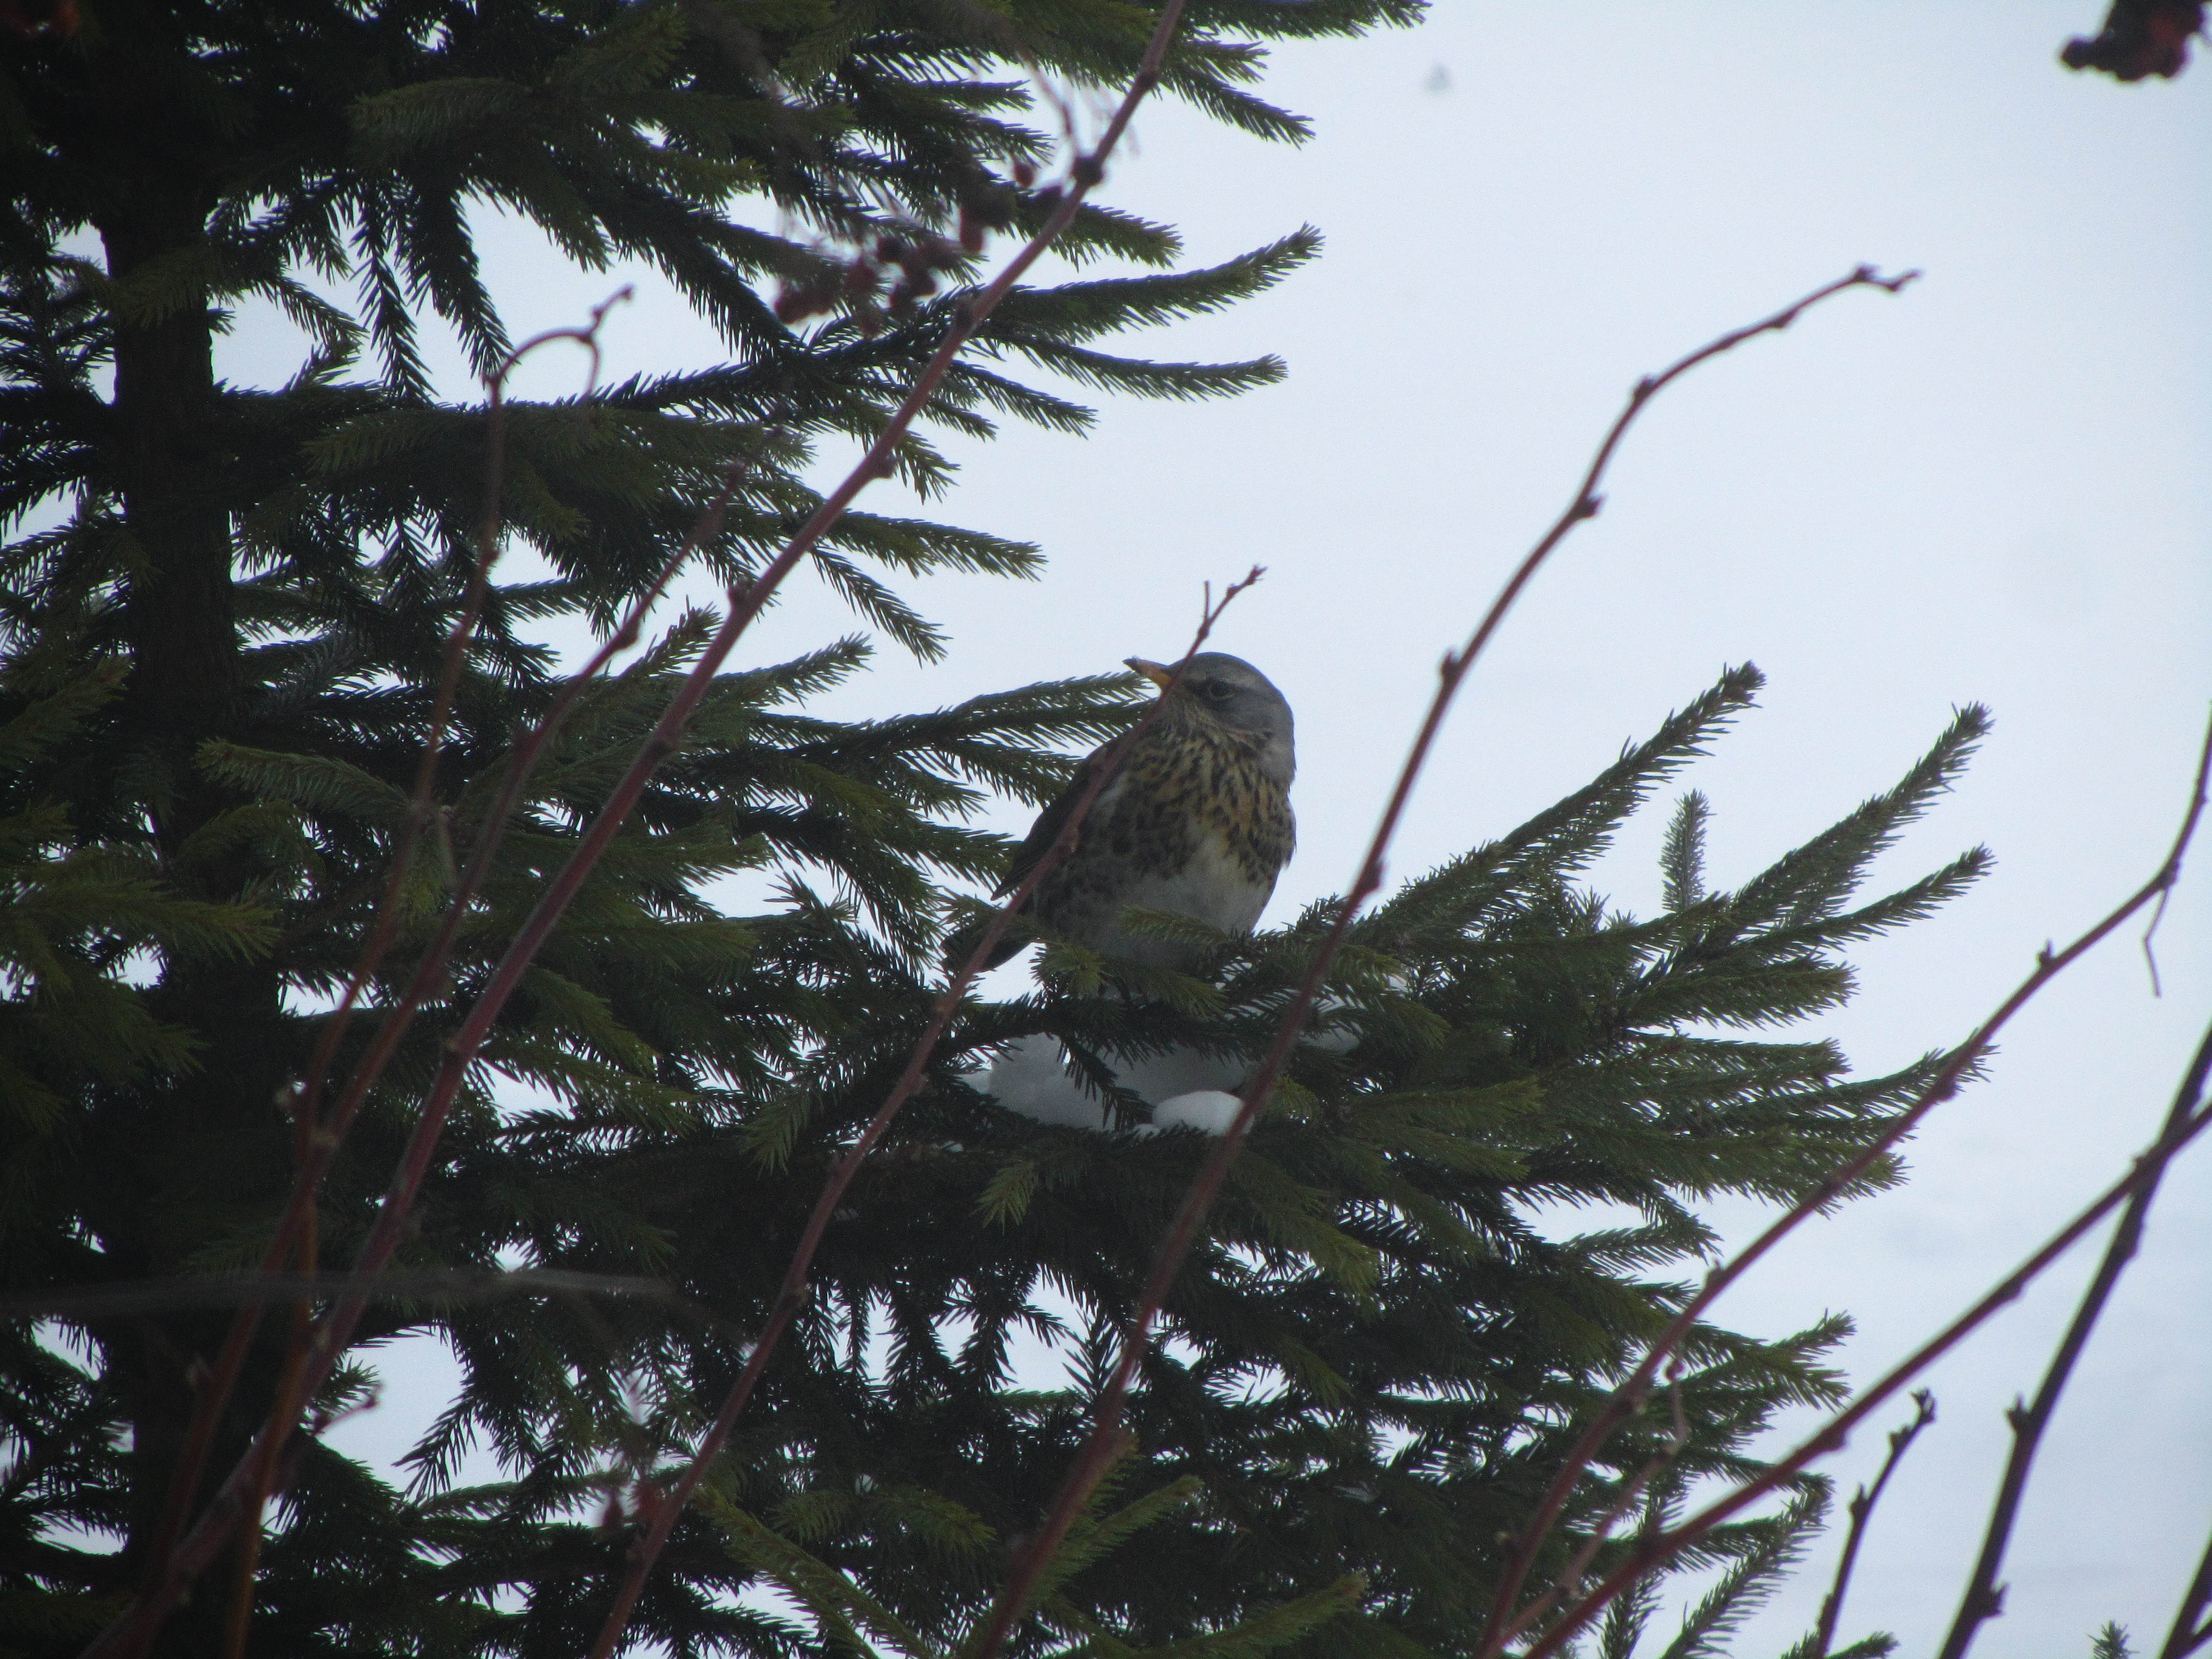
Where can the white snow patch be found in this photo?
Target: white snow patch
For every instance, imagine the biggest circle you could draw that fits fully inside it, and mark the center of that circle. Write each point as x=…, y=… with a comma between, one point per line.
x=1211, y=1110
x=1184, y=1088
x=1031, y=1077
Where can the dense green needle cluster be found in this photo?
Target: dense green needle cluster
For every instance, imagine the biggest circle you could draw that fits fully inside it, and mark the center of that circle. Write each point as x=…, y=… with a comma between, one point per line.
x=223, y=611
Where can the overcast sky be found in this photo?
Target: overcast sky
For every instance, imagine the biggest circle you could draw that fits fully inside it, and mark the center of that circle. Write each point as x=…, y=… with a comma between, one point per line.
x=1991, y=488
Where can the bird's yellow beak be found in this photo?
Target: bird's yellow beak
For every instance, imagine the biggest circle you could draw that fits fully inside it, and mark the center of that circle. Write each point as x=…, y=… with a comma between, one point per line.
x=1158, y=673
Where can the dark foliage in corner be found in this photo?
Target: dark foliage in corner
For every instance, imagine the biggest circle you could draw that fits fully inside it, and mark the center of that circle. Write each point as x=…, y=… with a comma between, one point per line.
x=2140, y=39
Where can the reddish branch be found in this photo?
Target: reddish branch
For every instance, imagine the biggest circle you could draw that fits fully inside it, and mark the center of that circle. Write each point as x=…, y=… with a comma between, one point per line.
x=2193, y=1627
x=665, y=1507
x=172, y=1571
x=1832, y=1604
x=1655, y=1549
x=1630, y=1492
x=1101, y=1448
x=1624, y=1402
x=1984, y=1596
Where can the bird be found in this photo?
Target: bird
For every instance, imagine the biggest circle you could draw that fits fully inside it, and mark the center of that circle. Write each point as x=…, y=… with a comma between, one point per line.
x=1196, y=819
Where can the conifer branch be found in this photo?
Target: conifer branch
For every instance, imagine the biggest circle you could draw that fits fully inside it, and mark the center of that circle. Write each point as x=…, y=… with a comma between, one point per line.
x=306, y=1098
x=450, y=1285
x=1624, y=1400
x=793, y=1293
x=1658, y=1549
x=1984, y=1596
x=173, y=1570
x=1182, y=1231
x=1832, y=1604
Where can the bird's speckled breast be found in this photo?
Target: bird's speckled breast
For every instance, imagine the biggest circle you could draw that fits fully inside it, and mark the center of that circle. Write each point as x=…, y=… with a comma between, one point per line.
x=1192, y=781
x=1193, y=825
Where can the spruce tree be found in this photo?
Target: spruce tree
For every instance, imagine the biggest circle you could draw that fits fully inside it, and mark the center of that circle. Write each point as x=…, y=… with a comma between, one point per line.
x=225, y=612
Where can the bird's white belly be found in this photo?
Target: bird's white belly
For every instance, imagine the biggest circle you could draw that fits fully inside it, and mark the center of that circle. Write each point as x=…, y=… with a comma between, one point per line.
x=1213, y=887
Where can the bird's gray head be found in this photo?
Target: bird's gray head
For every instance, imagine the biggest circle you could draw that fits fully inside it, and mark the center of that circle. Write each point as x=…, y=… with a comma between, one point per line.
x=1231, y=692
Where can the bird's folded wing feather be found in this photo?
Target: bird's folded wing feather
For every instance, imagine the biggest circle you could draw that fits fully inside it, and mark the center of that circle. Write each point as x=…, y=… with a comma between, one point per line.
x=1050, y=822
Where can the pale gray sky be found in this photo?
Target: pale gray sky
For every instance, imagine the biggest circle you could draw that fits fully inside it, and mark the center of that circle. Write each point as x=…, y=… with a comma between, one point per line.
x=1991, y=488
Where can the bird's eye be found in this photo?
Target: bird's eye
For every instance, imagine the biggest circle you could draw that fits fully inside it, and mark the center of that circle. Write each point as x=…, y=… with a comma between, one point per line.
x=1217, y=690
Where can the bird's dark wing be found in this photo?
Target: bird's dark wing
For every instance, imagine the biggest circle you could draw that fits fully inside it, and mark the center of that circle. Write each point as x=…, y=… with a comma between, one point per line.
x=1050, y=822
x=1046, y=830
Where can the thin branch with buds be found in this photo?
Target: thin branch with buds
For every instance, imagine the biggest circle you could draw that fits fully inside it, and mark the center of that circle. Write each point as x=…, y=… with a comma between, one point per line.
x=1832, y=1604
x=793, y=1293
x=1623, y=1402
x=1100, y=1449
x=1656, y=1550
x=173, y=1570
x=1984, y=1596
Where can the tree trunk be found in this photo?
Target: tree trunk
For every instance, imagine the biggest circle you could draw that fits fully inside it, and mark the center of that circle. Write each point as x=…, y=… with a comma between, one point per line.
x=216, y=1134
x=180, y=613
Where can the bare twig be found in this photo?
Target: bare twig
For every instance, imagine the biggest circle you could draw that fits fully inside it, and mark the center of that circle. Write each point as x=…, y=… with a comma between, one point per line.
x=1621, y=1404
x=1832, y=1604
x=1984, y=1596
x=2192, y=1625
x=793, y=1293
x=1578, y=1569
x=327, y=1137
x=1097, y=1453
x=239, y=1619
x=2150, y=942
x=1653, y=1551
x=307, y=1096
x=431, y=972
x=209, y=1534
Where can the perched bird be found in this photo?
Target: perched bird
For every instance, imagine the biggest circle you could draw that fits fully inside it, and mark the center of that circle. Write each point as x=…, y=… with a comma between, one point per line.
x=1196, y=819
